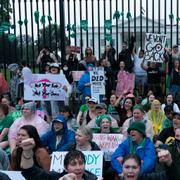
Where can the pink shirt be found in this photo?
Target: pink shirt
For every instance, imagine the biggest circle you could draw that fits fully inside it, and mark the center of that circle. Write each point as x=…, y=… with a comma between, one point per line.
x=41, y=126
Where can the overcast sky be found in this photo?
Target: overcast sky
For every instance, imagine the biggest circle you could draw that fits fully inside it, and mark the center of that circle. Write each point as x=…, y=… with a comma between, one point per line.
x=89, y=11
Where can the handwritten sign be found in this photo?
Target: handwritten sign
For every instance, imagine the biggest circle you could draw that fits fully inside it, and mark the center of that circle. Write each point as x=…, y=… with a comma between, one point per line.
x=44, y=87
x=154, y=47
x=97, y=80
x=94, y=162
x=108, y=143
x=77, y=75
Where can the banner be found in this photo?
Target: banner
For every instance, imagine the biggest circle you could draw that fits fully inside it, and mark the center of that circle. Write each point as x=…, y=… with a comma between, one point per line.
x=154, y=47
x=94, y=162
x=44, y=87
x=97, y=80
x=108, y=143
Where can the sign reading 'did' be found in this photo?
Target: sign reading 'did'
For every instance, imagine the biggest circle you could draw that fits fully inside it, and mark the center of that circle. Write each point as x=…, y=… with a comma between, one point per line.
x=94, y=162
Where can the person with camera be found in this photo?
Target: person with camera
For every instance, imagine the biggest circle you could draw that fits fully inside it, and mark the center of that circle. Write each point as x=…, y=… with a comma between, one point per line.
x=45, y=57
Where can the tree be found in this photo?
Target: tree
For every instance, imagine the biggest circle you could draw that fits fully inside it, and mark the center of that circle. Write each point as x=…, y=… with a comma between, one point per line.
x=5, y=10
x=50, y=37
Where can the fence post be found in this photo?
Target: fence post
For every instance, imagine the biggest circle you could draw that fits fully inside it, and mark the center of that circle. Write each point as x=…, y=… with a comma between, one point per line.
x=62, y=31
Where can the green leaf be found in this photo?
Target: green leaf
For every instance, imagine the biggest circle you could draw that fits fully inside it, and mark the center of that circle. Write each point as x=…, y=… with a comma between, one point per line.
x=49, y=18
x=108, y=24
x=25, y=22
x=171, y=16
x=178, y=18
x=122, y=13
x=74, y=27
x=108, y=37
x=68, y=27
x=20, y=22
x=116, y=15
x=5, y=26
x=11, y=37
x=84, y=25
x=128, y=16
x=72, y=35
x=13, y=26
x=36, y=16
x=43, y=19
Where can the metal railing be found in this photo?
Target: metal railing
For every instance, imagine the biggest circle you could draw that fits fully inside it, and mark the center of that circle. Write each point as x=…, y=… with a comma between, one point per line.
x=96, y=23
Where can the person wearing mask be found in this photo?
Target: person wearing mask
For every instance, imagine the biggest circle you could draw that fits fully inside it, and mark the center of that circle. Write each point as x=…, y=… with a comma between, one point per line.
x=136, y=143
x=53, y=107
x=59, y=137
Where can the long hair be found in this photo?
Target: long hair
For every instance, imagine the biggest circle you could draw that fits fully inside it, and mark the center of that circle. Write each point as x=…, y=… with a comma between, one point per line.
x=32, y=132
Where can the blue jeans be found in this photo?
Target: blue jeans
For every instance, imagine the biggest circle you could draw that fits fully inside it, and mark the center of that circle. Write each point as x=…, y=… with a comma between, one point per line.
x=175, y=89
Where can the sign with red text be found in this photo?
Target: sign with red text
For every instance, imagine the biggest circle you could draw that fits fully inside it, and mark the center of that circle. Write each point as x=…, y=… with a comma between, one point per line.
x=108, y=143
x=94, y=162
x=44, y=87
x=97, y=80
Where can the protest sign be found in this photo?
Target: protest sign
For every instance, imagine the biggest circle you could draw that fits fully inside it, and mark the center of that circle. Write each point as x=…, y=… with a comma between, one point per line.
x=14, y=175
x=108, y=143
x=97, y=80
x=77, y=75
x=154, y=47
x=94, y=162
x=44, y=87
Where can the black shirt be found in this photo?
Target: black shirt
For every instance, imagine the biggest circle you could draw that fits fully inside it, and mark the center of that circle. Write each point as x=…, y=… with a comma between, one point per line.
x=153, y=75
x=165, y=134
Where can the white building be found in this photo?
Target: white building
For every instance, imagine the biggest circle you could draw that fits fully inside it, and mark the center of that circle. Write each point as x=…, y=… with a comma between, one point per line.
x=100, y=31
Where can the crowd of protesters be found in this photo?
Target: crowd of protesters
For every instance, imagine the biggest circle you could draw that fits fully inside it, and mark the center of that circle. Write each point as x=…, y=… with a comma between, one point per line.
x=147, y=114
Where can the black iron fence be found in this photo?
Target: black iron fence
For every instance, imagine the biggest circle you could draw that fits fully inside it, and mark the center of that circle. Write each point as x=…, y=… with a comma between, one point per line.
x=29, y=25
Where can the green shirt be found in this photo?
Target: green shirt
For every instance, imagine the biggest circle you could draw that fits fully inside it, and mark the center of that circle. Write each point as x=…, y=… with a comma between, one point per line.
x=6, y=123
x=83, y=108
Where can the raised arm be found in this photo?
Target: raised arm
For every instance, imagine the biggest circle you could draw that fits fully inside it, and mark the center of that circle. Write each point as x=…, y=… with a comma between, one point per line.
x=143, y=66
